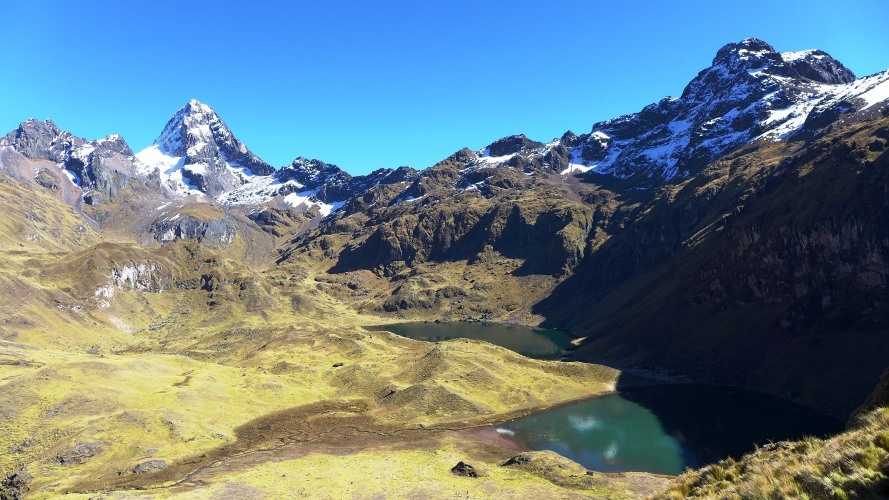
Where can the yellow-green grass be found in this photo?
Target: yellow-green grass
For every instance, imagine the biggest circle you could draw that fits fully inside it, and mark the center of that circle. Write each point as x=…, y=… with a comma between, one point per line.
x=384, y=471
x=853, y=464
x=184, y=396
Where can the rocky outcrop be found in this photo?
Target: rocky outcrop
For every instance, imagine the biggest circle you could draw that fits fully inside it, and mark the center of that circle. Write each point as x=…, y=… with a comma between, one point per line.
x=188, y=227
x=103, y=168
x=15, y=485
x=41, y=140
x=463, y=469
x=512, y=145
x=550, y=238
x=143, y=276
x=149, y=467
x=80, y=453
x=330, y=184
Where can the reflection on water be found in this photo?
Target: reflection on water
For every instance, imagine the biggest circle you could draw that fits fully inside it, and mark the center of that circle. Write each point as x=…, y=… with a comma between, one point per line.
x=532, y=342
x=664, y=429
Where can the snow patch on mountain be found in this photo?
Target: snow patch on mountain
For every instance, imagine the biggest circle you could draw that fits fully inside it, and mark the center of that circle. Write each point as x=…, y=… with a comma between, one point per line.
x=169, y=167
x=73, y=177
x=873, y=89
x=259, y=190
x=576, y=168
x=306, y=199
x=493, y=161
x=750, y=92
x=800, y=55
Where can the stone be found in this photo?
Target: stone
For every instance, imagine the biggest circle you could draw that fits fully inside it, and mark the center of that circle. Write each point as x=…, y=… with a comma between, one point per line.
x=15, y=485
x=464, y=470
x=79, y=454
x=520, y=459
x=150, y=466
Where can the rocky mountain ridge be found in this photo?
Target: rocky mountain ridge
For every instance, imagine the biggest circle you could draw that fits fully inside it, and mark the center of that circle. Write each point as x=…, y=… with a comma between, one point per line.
x=749, y=92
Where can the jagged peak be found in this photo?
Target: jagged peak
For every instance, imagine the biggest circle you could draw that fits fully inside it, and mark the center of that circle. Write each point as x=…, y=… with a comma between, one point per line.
x=748, y=54
x=510, y=145
x=193, y=123
x=35, y=124
x=195, y=107
x=745, y=49
x=38, y=139
x=464, y=155
x=756, y=56
x=303, y=163
x=206, y=151
x=308, y=169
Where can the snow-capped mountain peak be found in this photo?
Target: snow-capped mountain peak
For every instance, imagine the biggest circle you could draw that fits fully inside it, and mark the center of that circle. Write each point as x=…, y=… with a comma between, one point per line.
x=758, y=58
x=197, y=153
x=190, y=128
x=750, y=92
x=750, y=52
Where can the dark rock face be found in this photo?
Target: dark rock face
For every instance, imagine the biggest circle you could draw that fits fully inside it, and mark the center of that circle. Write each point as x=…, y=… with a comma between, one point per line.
x=464, y=470
x=331, y=184
x=878, y=398
x=819, y=66
x=512, y=144
x=759, y=268
x=752, y=49
x=753, y=54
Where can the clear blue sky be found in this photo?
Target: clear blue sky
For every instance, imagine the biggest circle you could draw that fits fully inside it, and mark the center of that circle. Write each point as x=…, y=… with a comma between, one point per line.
x=388, y=83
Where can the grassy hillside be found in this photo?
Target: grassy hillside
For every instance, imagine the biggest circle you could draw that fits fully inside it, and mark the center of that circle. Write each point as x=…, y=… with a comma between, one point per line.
x=854, y=464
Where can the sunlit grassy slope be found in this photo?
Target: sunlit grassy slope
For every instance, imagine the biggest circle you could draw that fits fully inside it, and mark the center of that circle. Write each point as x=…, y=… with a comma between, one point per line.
x=854, y=464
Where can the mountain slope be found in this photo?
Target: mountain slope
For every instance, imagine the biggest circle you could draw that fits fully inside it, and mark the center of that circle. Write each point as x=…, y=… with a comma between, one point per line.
x=767, y=270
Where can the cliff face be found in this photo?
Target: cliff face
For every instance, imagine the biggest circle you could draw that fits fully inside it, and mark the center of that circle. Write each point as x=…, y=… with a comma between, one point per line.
x=769, y=271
